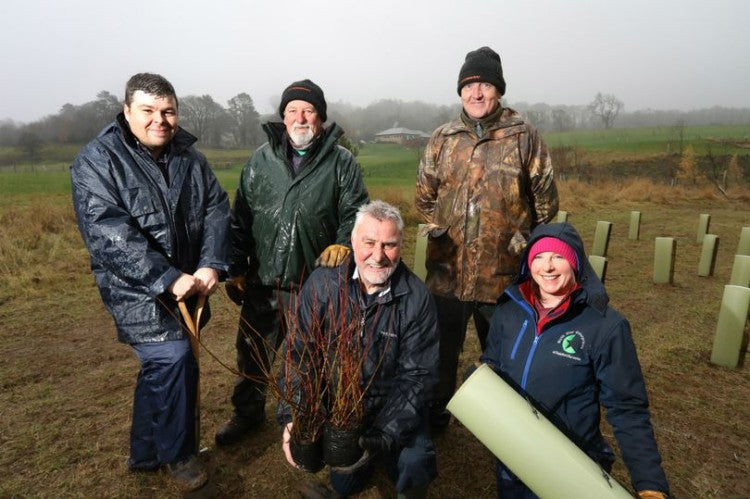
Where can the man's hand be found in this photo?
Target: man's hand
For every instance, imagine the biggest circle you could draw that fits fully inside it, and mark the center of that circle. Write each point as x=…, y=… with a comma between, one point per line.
x=235, y=288
x=376, y=442
x=209, y=278
x=185, y=286
x=286, y=437
x=333, y=256
x=373, y=444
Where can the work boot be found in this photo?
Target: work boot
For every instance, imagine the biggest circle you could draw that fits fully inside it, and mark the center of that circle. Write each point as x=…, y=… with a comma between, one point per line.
x=236, y=428
x=189, y=474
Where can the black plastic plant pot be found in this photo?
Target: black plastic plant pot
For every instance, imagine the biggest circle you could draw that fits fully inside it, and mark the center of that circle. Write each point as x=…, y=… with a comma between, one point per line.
x=308, y=454
x=341, y=445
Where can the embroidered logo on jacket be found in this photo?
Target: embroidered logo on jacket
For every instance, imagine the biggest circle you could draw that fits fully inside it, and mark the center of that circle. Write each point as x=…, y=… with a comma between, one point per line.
x=571, y=343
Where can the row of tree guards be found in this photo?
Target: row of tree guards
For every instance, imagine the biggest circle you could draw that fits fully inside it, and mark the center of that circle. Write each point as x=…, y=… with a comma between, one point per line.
x=735, y=303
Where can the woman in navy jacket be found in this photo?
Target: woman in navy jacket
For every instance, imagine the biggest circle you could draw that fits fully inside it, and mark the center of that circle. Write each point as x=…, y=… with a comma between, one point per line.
x=555, y=339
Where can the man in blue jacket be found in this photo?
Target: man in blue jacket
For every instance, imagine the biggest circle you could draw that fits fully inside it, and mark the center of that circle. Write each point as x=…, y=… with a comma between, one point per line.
x=154, y=220
x=396, y=324
x=294, y=209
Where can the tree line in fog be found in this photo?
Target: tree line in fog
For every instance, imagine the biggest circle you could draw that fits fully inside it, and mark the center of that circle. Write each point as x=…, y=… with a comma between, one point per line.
x=237, y=124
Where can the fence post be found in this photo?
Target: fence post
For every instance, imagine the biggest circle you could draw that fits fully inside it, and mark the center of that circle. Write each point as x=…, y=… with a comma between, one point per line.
x=743, y=248
x=708, y=255
x=664, y=254
x=599, y=264
x=704, y=220
x=731, y=326
x=601, y=238
x=562, y=216
x=420, y=253
x=741, y=271
x=635, y=225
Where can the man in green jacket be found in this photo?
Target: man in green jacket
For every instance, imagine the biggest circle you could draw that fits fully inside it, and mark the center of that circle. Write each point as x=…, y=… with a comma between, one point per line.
x=485, y=180
x=294, y=209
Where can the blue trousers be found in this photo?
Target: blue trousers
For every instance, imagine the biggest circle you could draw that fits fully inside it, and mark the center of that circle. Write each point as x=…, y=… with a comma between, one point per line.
x=414, y=465
x=163, y=428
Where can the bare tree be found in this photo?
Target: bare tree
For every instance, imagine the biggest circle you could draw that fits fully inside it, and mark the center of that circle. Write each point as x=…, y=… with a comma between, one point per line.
x=606, y=107
x=561, y=120
x=246, y=126
x=200, y=116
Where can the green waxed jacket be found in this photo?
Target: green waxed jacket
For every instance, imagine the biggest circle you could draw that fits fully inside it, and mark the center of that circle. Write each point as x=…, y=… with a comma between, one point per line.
x=282, y=222
x=482, y=197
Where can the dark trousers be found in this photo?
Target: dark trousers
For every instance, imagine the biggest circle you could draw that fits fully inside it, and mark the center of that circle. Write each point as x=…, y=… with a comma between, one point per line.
x=262, y=328
x=163, y=428
x=409, y=467
x=452, y=318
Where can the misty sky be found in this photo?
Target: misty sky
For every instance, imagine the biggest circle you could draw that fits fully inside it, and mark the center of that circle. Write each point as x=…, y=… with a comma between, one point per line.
x=671, y=54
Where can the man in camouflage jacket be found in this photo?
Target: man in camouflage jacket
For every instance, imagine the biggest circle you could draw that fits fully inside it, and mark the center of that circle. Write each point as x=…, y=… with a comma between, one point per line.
x=484, y=182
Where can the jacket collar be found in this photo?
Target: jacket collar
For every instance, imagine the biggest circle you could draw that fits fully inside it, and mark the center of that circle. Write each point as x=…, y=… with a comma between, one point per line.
x=276, y=133
x=508, y=118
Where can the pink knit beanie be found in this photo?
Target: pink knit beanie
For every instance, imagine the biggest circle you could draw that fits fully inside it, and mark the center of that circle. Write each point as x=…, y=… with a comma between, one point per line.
x=556, y=245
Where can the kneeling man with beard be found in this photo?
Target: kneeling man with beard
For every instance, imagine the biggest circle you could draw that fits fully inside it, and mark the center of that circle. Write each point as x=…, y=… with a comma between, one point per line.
x=397, y=324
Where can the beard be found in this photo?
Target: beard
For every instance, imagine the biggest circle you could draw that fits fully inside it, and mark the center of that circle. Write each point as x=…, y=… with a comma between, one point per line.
x=302, y=136
x=378, y=275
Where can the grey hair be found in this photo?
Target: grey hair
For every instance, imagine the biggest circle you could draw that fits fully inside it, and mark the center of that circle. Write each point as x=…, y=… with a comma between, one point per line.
x=379, y=210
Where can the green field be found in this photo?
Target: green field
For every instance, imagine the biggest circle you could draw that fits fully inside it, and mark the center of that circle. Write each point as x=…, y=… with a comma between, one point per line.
x=67, y=383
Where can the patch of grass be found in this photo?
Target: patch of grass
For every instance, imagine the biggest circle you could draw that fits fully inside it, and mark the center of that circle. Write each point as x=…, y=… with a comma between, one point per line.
x=67, y=383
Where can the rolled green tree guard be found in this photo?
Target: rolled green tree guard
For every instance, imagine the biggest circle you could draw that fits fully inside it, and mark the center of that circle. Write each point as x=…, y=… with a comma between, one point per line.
x=741, y=271
x=599, y=264
x=420, y=253
x=601, y=238
x=635, y=225
x=526, y=442
x=743, y=248
x=562, y=216
x=664, y=254
x=731, y=326
x=709, y=251
x=704, y=220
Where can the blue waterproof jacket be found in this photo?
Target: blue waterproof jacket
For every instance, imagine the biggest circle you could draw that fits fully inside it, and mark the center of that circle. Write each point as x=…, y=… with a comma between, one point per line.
x=398, y=331
x=129, y=217
x=582, y=358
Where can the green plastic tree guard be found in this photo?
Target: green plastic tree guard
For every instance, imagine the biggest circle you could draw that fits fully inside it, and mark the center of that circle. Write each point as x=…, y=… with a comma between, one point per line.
x=731, y=326
x=562, y=216
x=599, y=264
x=743, y=248
x=664, y=254
x=635, y=225
x=709, y=251
x=420, y=253
x=601, y=238
x=526, y=442
x=741, y=271
x=704, y=220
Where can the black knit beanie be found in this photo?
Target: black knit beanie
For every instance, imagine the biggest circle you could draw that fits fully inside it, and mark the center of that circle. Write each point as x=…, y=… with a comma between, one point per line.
x=482, y=64
x=307, y=91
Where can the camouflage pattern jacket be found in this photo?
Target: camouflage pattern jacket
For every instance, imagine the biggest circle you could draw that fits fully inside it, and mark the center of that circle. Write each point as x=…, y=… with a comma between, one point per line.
x=481, y=198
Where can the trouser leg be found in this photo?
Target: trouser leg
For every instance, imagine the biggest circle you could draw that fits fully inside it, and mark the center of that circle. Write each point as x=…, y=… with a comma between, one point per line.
x=165, y=397
x=260, y=333
x=415, y=465
x=482, y=313
x=452, y=317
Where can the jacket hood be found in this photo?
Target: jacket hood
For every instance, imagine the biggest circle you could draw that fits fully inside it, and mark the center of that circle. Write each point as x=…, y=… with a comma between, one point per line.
x=592, y=289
